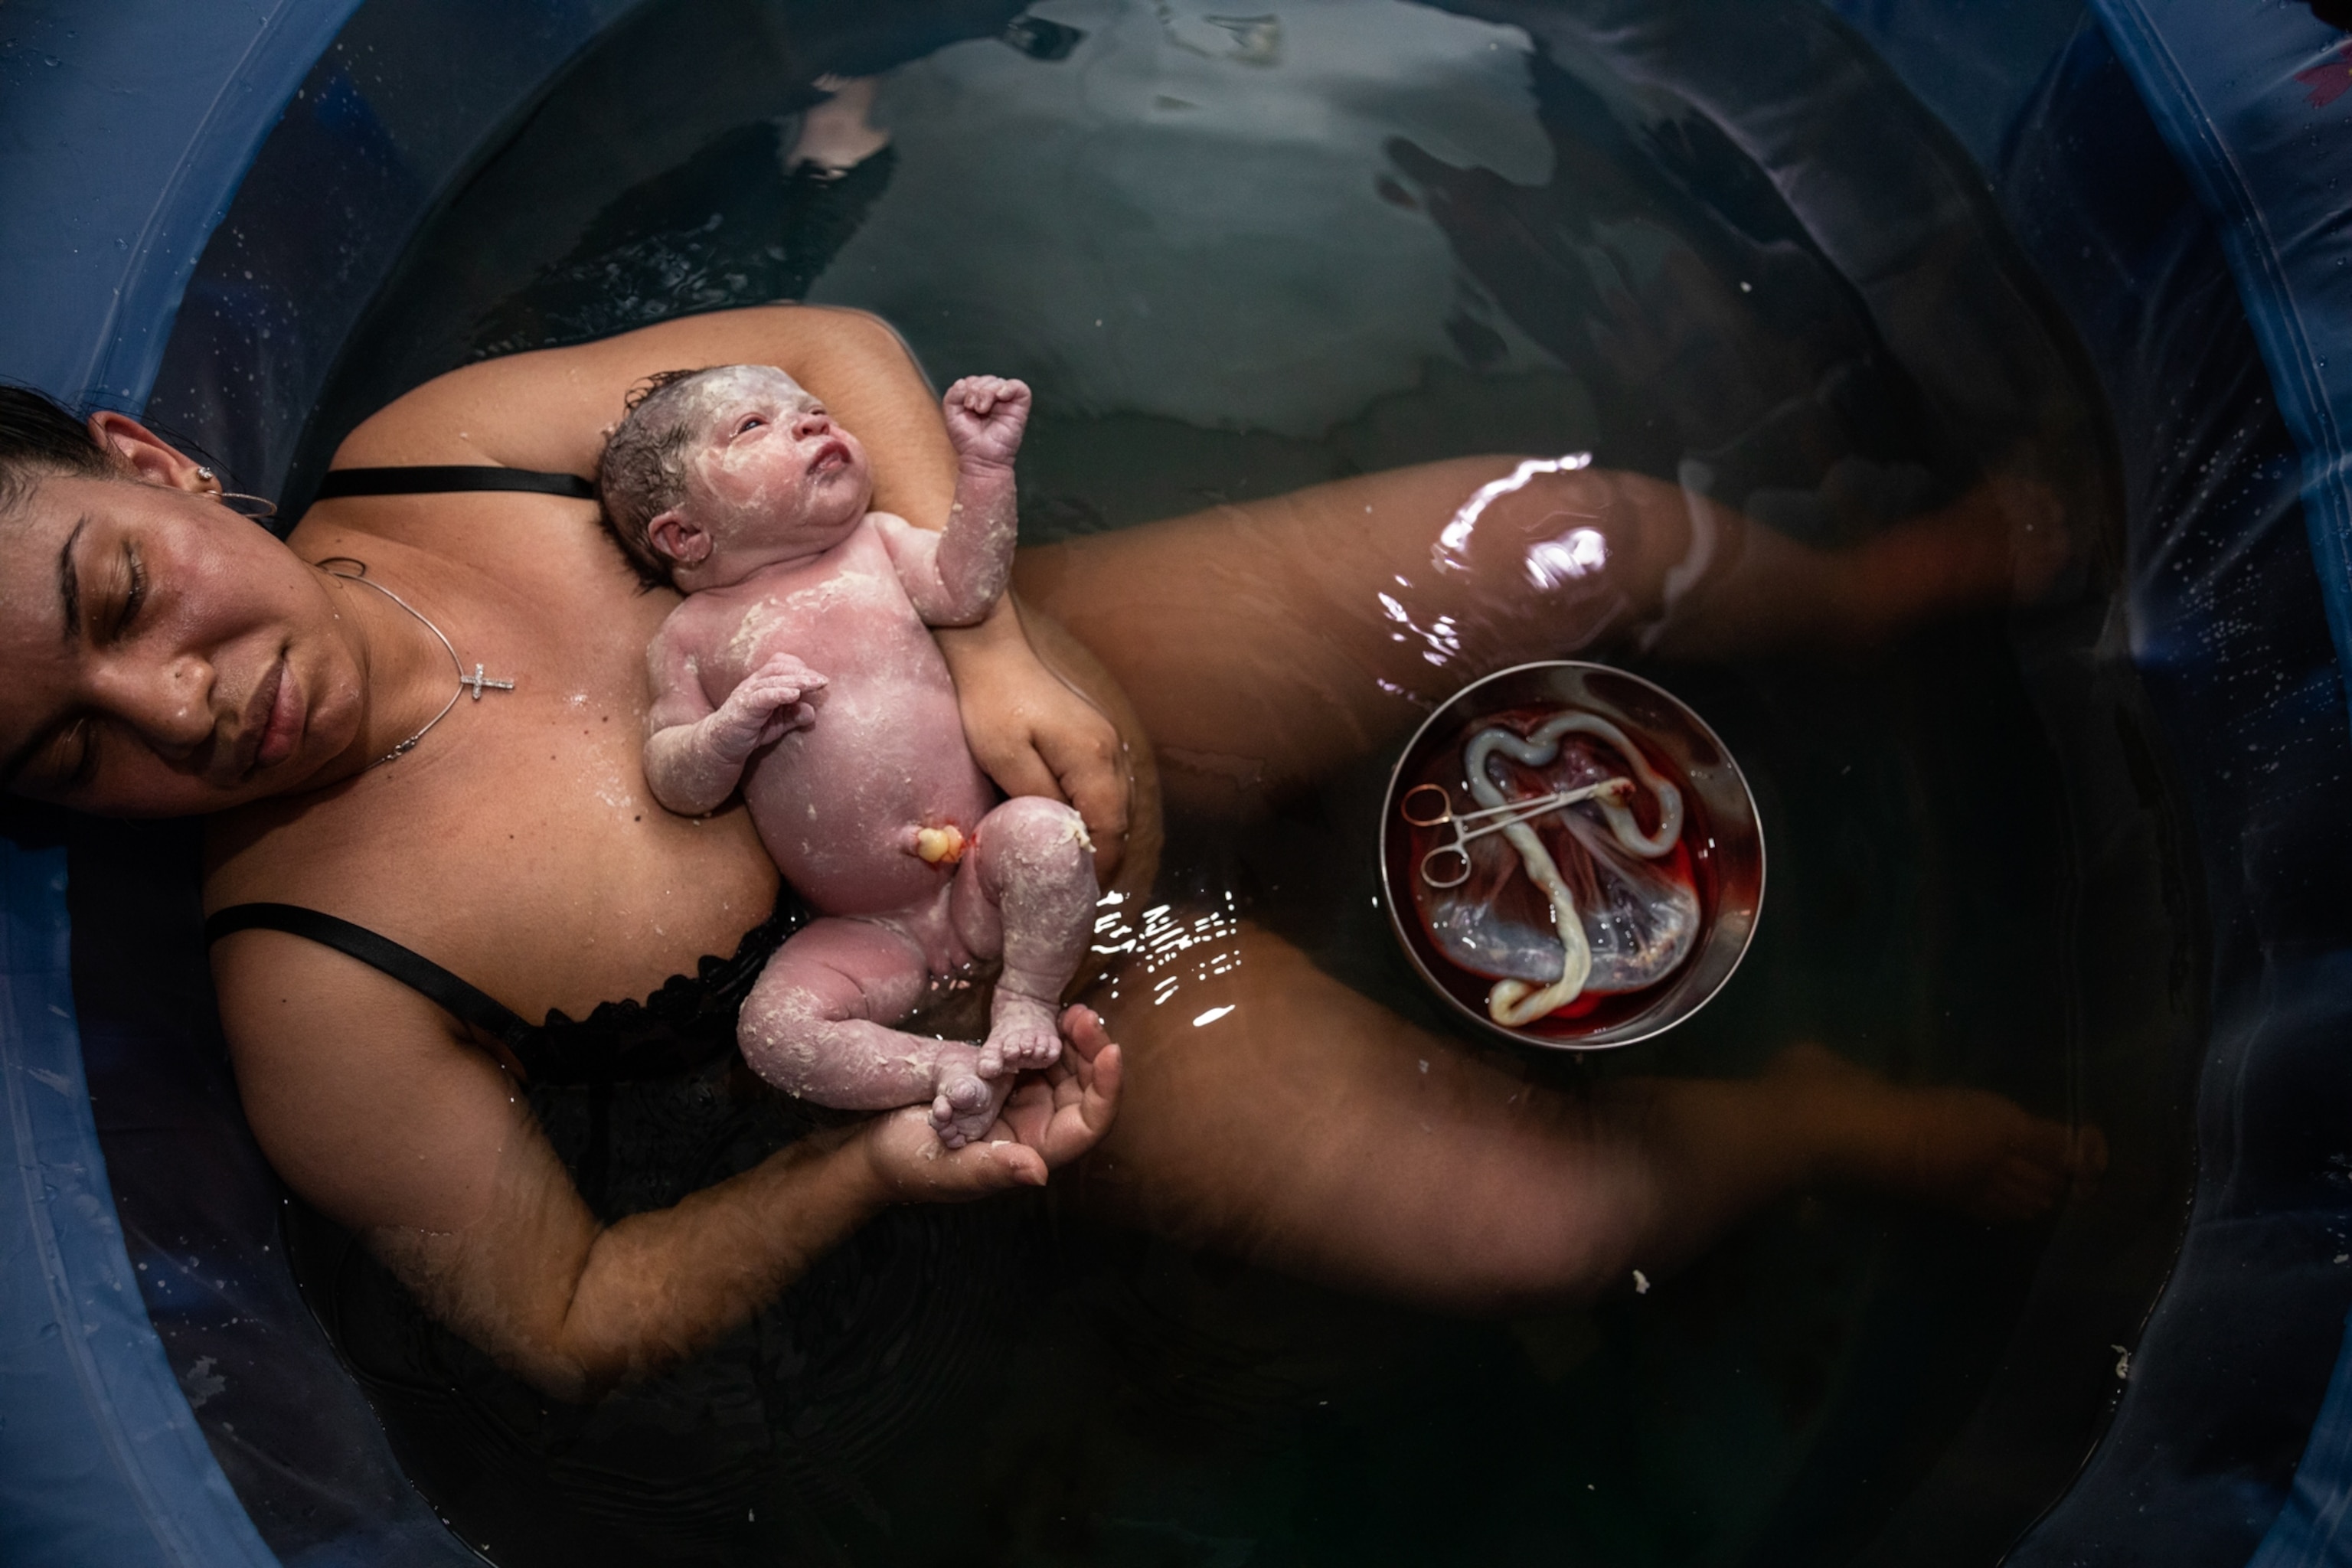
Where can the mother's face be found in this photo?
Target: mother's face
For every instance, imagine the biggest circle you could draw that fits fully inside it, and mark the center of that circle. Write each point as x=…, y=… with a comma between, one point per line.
x=164, y=655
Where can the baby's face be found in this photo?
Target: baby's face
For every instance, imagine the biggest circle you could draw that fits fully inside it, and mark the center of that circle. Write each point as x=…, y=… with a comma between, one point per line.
x=769, y=476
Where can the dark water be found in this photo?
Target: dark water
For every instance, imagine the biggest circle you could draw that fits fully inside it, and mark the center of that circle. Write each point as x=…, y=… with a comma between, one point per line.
x=1235, y=256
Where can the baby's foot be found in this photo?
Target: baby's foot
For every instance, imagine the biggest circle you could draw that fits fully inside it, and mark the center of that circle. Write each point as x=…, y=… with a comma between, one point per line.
x=966, y=1104
x=1021, y=1036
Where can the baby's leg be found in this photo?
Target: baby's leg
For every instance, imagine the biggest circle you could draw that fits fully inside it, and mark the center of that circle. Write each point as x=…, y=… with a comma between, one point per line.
x=816, y=1025
x=1027, y=891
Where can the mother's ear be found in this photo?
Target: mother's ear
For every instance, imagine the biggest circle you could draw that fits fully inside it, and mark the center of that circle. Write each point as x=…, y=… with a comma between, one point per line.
x=147, y=455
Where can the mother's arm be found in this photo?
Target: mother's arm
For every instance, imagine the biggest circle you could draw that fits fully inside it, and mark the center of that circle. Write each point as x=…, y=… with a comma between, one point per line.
x=374, y=1107
x=551, y=410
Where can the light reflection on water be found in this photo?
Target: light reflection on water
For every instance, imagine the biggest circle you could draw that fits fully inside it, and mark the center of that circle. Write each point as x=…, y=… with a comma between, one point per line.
x=1241, y=255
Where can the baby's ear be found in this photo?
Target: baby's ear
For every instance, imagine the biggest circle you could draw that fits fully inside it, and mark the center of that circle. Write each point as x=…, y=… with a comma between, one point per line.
x=678, y=541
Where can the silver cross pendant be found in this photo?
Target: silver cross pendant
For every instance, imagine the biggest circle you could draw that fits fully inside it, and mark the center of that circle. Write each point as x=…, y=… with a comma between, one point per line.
x=477, y=682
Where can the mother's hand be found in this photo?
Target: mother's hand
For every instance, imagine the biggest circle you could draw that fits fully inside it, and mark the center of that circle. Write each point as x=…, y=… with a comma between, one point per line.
x=1050, y=1119
x=1035, y=735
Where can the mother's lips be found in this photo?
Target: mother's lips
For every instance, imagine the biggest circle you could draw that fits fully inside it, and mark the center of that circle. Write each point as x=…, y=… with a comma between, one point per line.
x=273, y=721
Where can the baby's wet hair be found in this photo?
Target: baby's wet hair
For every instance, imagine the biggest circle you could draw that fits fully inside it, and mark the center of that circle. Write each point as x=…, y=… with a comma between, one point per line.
x=643, y=472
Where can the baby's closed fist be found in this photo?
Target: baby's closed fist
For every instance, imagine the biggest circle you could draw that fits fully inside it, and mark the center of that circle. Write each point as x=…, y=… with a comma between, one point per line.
x=985, y=415
x=769, y=705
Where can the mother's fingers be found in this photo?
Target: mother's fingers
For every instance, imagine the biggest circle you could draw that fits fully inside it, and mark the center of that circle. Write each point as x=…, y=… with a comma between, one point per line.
x=1097, y=1069
x=1083, y=1031
x=1065, y=1111
x=1099, y=1106
x=913, y=1167
x=995, y=1165
x=1091, y=768
x=1086, y=1097
x=977, y=1169
x=1049, y=1119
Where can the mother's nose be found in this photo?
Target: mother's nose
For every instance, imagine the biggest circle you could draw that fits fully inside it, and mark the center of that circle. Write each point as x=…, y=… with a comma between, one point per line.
x=168, y=700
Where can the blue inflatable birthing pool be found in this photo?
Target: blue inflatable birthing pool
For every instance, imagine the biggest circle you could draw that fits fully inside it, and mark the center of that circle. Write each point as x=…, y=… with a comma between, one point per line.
x=1812, y=258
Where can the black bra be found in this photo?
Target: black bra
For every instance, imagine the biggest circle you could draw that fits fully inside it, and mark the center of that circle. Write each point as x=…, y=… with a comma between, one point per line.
x=408, y=966
x=689, y=1019
x=424, y=480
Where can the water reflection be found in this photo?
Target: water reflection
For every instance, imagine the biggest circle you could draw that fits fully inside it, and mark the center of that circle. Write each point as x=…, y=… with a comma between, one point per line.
x=1240, y=255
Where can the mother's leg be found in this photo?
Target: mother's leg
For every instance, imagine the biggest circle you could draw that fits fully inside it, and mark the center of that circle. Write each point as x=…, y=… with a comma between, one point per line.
x=1264, y=642
x=1271, y=1111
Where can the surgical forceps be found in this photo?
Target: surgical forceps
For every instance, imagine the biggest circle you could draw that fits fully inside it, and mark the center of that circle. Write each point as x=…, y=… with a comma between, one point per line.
x=1494, y=819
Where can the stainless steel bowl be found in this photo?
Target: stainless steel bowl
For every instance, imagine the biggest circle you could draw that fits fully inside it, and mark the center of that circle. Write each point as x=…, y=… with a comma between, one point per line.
x=1720, y=830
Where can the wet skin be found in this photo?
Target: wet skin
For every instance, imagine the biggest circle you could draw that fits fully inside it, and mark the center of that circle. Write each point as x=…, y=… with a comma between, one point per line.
x=168, y=657
x=801, y=665
x=519, y=847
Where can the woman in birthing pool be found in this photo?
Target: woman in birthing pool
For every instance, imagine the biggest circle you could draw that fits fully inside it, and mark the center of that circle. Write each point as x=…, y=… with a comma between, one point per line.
x=402, y=883
x=801, y=666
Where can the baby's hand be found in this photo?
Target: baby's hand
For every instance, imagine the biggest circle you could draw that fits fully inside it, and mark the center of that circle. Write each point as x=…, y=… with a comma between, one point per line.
x=986, y=415
x=769, y=705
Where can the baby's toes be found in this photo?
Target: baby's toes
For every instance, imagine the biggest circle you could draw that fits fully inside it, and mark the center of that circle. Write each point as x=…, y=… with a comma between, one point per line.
x=1027, y=1045
x=972, y=1105
x=943, y=1122
x=1042, y=1051
x=965, y=1108
x=965, y=1094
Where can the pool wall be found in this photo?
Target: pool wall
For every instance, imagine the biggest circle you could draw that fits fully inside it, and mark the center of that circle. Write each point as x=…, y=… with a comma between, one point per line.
x=127, y=130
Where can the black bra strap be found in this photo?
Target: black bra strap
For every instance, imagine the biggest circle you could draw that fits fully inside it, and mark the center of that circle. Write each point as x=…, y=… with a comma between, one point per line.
x=425, y=480
x=411, y=968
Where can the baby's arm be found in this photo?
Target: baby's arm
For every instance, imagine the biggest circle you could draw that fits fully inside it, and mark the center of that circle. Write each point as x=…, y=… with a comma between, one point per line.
x=694, y=754
x=954, y=577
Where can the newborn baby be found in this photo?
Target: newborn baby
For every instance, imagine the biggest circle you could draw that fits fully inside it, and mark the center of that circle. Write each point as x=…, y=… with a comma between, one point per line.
x=802, y=666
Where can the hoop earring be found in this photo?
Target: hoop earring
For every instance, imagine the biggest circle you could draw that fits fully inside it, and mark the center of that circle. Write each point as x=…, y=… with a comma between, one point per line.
x=263, y=508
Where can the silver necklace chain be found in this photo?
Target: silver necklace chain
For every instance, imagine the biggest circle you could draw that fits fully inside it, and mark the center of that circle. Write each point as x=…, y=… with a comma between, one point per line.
x=476, y=682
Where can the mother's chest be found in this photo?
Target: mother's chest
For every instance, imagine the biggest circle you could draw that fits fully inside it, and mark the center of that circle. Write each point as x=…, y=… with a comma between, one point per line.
x=549, y=858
